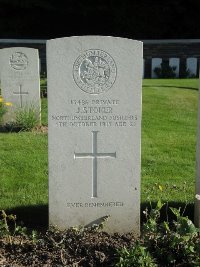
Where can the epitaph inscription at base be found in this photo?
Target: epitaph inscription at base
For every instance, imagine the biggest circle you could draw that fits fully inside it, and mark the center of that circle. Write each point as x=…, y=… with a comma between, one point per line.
x=94, y=94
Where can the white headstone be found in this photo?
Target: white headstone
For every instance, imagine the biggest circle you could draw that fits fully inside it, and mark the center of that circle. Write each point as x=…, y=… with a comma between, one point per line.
x=175, y=62
x=191, y=64
x=156, y=63
x=94, y=92
x=197, y=187
x=20, y=80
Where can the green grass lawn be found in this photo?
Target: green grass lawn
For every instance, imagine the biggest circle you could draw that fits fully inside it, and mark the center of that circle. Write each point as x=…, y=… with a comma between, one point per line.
x=44, y=115
x=169, y=139
x=168, y=149
x=23, y=161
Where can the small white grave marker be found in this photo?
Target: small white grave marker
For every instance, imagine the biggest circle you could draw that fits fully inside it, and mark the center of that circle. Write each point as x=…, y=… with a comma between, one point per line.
x=191, y=64
x=175, y=62
x=20, y=82
x=156, y=63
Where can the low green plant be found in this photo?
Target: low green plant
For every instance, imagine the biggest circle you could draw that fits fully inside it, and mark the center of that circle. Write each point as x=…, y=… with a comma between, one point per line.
x=164, y=243
x=171, y=243
x=34, y=235
x=136, y=256
x=5, y=221
x=27, y=118
x=3, y=108
x=9, y=228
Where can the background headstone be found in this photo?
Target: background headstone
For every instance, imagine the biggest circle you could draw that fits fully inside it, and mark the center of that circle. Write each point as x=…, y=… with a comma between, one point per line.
x=156, y=63
x=94, y=94
x=191, y=64
x=20, y=80
x=175, y=62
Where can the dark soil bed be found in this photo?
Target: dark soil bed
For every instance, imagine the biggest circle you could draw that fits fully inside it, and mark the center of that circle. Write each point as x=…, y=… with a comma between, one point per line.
x=69, y=248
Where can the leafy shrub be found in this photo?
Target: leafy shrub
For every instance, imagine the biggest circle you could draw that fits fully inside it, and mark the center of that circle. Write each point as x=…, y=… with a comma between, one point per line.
x=165, y=71
x=175, y=243
x=136, y=256
x=171, y=243
x=27, y=118
x=186, y=73
x=9, y=228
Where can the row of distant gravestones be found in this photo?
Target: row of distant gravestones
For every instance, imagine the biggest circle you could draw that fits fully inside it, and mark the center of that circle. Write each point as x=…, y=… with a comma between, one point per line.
x=191, y=67
x=20, y=79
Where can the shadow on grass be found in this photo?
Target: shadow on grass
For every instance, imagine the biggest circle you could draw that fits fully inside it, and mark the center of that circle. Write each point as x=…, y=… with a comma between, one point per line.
x=33, y=217
x=166, y=213
x=9, y=129
x=172, y=86
x=36, y=217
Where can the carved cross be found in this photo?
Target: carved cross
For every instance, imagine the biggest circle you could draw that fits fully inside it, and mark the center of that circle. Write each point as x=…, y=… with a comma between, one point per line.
x=94, y=155
x=20, y=94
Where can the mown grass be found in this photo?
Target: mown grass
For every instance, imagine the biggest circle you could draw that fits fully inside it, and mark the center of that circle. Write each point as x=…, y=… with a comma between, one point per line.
x=23, y=167
x=168, y=149
x=44, y=113
x=23, y=161
x=176, y=83
x=169, y=139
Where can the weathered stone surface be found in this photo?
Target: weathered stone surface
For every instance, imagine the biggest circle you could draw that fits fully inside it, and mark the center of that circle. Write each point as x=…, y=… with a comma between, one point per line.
x=94, y=92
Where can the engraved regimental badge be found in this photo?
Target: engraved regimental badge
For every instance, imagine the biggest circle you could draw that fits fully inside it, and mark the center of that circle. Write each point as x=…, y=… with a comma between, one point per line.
x=18, y=61
x=94, y=71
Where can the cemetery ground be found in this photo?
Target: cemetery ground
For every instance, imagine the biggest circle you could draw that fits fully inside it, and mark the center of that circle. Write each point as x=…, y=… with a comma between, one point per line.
x=169, y=125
